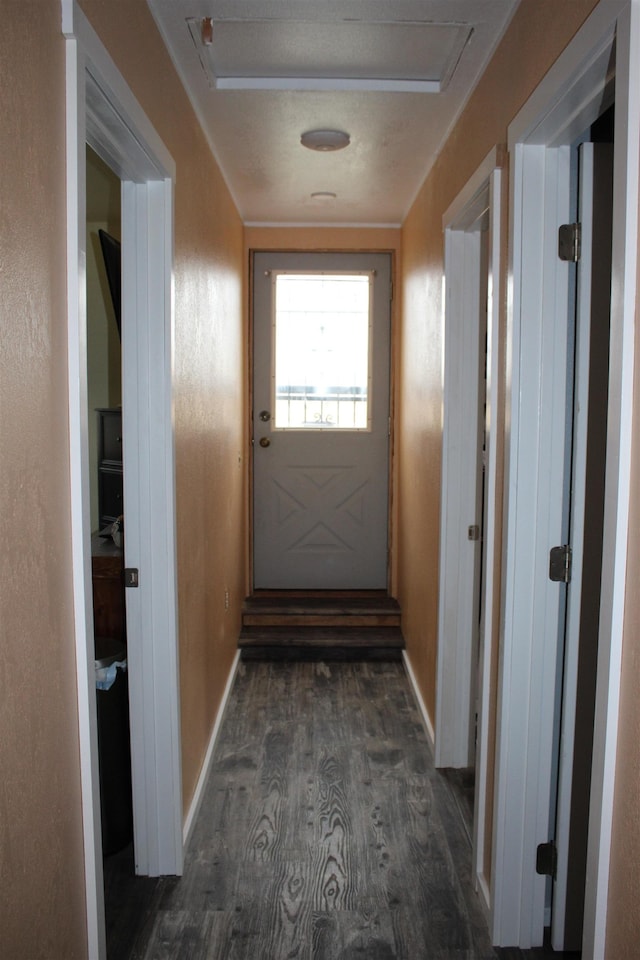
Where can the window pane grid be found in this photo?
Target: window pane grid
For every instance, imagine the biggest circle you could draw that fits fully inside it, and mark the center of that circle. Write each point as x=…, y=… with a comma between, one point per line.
x=322, y=351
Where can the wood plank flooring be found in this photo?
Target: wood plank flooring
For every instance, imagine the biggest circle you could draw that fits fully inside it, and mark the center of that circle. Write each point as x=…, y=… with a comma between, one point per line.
x=325, y=834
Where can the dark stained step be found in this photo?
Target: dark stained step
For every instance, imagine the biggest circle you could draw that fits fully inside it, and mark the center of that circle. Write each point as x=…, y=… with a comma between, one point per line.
x=362, y=625
x=321, y=642
x=346, y=654
x=295, y=610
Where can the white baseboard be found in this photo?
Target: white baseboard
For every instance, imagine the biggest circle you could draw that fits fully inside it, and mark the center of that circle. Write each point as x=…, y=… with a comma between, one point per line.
x=196, y=800
x=484, y=896
x=426, y=719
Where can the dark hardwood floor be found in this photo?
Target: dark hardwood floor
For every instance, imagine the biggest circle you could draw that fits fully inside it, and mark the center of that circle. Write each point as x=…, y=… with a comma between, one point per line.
x=325, y=833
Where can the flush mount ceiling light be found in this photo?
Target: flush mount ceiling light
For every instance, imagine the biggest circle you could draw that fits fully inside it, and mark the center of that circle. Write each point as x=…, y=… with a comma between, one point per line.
x=323, y=196
x=325, y=141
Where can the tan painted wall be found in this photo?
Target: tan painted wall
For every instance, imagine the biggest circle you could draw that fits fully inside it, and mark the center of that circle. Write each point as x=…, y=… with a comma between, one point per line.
x=343, y=239
x=209, y=376
x=41, y=860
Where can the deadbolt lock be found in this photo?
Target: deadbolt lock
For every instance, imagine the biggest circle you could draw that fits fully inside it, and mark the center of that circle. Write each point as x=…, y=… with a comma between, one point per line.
x=265, y=416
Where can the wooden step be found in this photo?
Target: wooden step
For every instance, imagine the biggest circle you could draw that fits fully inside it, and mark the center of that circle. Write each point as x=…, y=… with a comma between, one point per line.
x=340, y=610
x=335, y=625
x=320, y=620
x=324, y=643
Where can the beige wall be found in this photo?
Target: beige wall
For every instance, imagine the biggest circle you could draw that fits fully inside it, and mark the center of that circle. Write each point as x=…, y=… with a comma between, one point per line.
x=41, y=860
x=209, y=376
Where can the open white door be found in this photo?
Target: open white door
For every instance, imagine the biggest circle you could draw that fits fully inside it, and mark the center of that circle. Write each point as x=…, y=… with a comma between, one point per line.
x=585, y=537
x=572, y=95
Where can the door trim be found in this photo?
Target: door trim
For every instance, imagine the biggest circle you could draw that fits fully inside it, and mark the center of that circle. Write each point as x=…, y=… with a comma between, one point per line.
x=102, y=111
x=458, y=504
x=571, y=96
x=483, y=193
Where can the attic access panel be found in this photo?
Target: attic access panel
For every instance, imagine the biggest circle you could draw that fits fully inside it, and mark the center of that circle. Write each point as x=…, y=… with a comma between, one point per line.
x=305, y=55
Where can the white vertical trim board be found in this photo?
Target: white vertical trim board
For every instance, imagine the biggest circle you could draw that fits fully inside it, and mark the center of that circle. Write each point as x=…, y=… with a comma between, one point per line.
x=479, y=205
x=458, y=554
x=457, y=604
x=570, y=98
x=80, y=496
x=102, y=111
x=150, y=541
x=491, y=512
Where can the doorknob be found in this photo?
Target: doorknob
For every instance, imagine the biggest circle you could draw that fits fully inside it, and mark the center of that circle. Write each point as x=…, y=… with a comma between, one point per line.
x=265, y=442
x=265, y=416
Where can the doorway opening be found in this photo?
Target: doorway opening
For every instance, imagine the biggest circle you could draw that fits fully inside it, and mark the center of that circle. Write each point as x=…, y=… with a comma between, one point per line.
x=471, y=505
x=321, y=421
x=590, y=300
x=102, y=112
x=577, y=90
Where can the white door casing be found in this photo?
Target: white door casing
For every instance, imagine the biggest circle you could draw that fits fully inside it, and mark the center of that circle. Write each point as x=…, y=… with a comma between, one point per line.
x=460, y=555
x=470, y=307
x=469, y=277
x=102, y=111
x=320, y=494
x=571, y=97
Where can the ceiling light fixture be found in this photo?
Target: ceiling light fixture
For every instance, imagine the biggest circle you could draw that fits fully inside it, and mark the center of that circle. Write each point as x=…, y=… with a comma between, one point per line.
x=323, y=195
x=325, y=141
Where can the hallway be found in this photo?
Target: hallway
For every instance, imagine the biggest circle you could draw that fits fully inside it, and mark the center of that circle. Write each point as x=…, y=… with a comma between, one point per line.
x=325, y=833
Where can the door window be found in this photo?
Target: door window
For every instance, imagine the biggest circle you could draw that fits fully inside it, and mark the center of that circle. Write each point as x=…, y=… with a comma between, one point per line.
x=322, y=356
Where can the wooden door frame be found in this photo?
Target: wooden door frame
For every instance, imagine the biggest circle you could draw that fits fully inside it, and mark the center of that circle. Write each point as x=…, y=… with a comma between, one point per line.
x=571, y=96
x=102, y=112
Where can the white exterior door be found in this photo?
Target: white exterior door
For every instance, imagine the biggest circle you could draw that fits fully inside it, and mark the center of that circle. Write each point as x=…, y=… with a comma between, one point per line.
x=321, y=345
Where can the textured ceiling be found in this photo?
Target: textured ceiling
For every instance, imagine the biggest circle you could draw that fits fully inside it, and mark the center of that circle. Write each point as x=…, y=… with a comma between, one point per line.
x=394, y=74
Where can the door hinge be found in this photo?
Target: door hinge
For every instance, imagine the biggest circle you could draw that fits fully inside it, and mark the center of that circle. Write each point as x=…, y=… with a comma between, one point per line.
x=473, y=532
x=131, y=578
x=570, y=242
x=560, y=564
x=547, y=860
